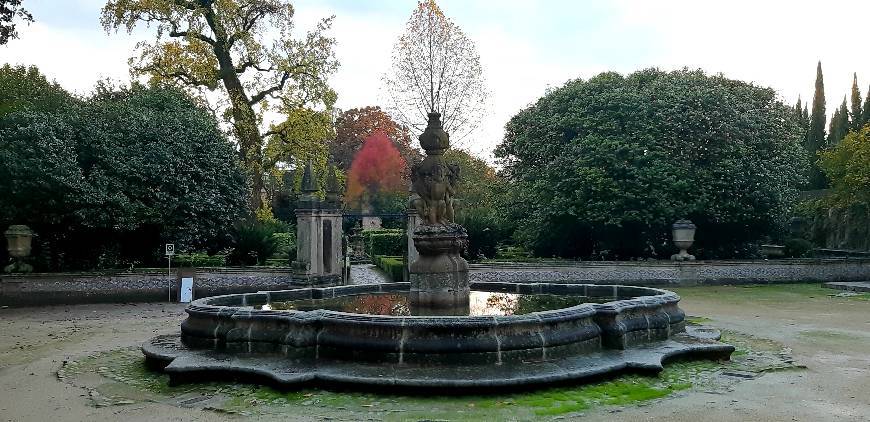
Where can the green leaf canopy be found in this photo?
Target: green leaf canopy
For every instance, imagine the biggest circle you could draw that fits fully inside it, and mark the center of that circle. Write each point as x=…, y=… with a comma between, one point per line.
x=603, y=167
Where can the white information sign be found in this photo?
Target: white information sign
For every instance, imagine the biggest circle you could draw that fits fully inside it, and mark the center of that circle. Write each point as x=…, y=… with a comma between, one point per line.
x=186, y=290
x=170, y=249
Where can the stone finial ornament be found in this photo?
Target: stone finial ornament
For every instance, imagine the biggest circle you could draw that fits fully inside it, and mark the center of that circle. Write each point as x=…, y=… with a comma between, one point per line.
x=333, y=187
x=309, y=184
x=433, y=180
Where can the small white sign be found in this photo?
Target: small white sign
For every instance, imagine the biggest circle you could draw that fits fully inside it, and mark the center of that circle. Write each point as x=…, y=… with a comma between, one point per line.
x=186, y=290
x=170, y=249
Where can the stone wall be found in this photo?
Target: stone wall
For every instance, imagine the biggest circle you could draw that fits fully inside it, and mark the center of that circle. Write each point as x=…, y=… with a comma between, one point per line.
x=144, y=286
x=679, y=273
x=71, y=288
x=842, y=228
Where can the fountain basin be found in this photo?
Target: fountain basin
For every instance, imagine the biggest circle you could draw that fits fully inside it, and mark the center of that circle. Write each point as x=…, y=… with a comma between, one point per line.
x=634, y=328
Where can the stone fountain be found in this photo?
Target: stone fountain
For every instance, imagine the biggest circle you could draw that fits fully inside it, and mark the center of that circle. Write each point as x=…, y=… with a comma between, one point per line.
x=436, y=332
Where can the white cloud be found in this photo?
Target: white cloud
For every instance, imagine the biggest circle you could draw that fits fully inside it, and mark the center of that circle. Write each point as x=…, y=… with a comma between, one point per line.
x=363, y=47
x=76, y=60
x=772, y=43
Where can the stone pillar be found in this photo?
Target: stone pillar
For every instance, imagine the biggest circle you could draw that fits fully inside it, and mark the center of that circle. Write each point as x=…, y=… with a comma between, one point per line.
x=319, y=253
x=331, y=252
x=307, y=236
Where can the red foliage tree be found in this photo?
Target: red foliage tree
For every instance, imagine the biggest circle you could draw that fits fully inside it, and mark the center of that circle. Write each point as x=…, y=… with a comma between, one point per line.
x=354, y=126
x=377, y=173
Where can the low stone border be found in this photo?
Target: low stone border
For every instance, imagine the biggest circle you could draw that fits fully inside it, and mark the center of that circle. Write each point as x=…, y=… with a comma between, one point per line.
x=666, y=273
x=183, y=365
x=235, y=323
x=230, y=337
x=146, y=286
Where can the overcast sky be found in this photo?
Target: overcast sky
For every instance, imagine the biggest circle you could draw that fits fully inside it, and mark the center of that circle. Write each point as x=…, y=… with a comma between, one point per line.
x=525, y=46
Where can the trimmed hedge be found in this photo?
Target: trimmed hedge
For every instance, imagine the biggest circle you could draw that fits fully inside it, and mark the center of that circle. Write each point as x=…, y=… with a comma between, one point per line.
x=388, y=242
x=277, y=262
x=199, y=260
x=392, y=265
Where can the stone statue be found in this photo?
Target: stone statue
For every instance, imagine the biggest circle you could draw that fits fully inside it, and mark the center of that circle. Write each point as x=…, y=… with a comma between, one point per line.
x=433, y=180
x=438, y=276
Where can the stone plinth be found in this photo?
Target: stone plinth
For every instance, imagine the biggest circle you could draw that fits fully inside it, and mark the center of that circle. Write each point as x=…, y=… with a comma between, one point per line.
x=439, y=276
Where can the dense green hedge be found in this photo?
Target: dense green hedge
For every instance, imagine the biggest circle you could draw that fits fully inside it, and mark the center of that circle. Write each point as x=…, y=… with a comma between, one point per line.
x=196, y=260
x=603, y=167
x=389, y=242
x=392, y=265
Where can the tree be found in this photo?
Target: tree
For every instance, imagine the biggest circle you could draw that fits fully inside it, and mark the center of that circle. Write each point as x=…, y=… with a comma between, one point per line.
x=805, y=118
x=847, y=165
x=800, y=113
x=865, y=115
x=244, y=47
x=798, y=107
x=816, y=135
x=10, y=10
x=302, y=136
x=375, y=179
x=25, y=88
x=105, y=182
x=354, y=126
x=435, y=67
x=604, y=167
x=479, y=203
x=839, y=124
x=855, y=115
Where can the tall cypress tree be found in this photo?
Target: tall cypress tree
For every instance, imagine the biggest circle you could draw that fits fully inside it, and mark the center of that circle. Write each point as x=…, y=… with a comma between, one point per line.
x=800, y=113
x=816, y=133
x=865, y=116
x=834, y=127
x=856, y=114
x=839, y=124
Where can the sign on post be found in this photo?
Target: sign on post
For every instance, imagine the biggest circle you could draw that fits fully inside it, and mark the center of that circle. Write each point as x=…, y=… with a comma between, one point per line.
x=170, y=250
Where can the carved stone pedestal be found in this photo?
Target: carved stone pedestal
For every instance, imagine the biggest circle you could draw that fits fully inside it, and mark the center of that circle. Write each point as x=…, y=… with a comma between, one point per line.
x=439, y=276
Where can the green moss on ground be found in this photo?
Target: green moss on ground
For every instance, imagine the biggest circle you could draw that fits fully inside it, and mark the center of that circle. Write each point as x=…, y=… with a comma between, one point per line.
x=697, y=320
x=128, y=380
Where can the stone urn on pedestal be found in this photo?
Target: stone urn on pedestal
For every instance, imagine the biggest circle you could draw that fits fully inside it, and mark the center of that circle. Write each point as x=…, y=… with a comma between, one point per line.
x=18, y=242
x=684, y=237
x=439, y=275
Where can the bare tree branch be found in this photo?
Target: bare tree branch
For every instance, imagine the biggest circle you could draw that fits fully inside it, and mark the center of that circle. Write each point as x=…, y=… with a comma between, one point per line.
x=435, y=68
x=275, y=88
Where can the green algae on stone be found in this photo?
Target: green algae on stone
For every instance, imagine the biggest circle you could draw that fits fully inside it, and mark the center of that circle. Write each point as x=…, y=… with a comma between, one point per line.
x=127, y=367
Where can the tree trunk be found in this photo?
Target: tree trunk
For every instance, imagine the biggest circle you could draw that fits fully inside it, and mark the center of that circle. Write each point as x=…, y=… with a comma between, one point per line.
x=244, y=118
